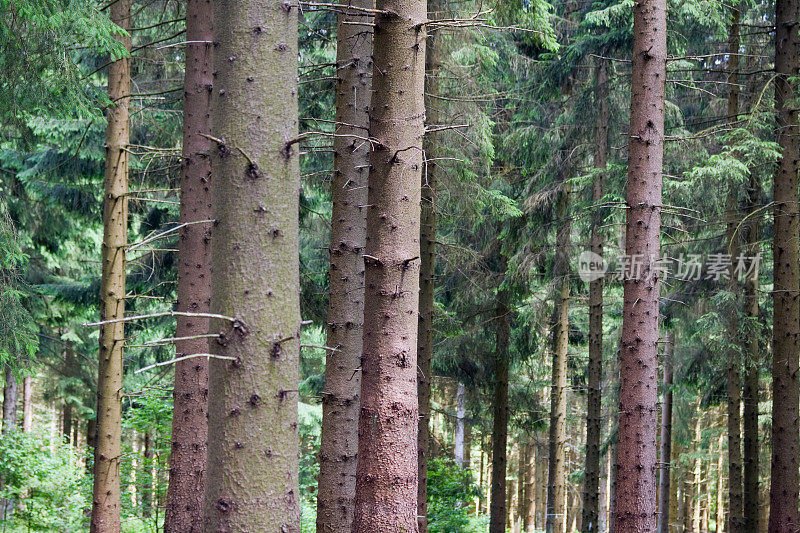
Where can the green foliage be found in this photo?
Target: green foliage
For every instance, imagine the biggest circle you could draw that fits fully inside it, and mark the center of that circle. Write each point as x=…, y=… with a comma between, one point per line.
x=450, y=491
x=43, y=479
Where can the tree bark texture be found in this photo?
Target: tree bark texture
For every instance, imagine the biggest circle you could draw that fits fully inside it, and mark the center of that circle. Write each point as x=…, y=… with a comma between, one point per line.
x=252, y=472
x=497, y=506
x=459, y=440
x=591, y=488
x=427, y=243
x=184, y=508
x=556, y=519
x=27, y=404
x=340, y=398
x=785, y=479
x=106, y=506
x=665, y=473
x=387, y=472
x=636, y=507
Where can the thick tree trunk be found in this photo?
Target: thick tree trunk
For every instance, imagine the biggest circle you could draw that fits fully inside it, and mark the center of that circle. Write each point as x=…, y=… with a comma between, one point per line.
x=636, y=506
x=184, y=508
x=427, y=243
x=10, y=401
x=591, y=487
x=387, y=475
x=106, y=506
x=665, y=473
x=497, y=507
x=734, y=386
x=785, y=479
x=252, y=472
x=27, y=404
x=340, y=398
x=752, y=366
x=459, y=440
x=556, y=519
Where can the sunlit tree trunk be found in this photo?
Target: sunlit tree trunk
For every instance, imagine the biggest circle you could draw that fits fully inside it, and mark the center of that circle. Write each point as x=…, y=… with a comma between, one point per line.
x=106, y=506
x=665, y=473
x=184, y=508
x=387, y=472
x=27, y=404
x=252, y=472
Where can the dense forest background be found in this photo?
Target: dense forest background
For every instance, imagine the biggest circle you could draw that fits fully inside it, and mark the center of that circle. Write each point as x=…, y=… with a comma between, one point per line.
x=524, y=171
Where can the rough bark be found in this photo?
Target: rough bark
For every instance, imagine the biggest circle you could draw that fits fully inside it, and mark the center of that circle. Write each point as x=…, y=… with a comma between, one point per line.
x=252, y=468
x=665, y=473
x=591, y=488
x=497, y=506
x=184, y=507
x=340, y=398
x=459, y=440
x=785, y=479
x=558, y=390
x=10, y=401
x=752, y=364
x=106, y=506
x=635, y=507
x=27, y=404
x=427, y=243
x=387, y=475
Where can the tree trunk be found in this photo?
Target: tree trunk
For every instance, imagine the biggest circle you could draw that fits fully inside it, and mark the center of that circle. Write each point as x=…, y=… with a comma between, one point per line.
x=10, y=401
x=427, y=240
x=636, y=509
x=66, y=423
x=752, y=366
x=387, y=475
x=674, y=482
x=497, y=510
x=558, y=392
x=529, y=501
x=252, y=476
x=461, y=413
x=785, y=479
x=591, y=488
x=340, y=398
x=147, y=476
x=106, y=505
x=467, y=440
x=665, y=473
x=184, y=508
x=542, y=456
x=27, y=404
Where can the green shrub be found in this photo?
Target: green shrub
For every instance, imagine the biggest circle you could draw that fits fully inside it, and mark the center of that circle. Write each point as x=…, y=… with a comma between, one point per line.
x=450, y=492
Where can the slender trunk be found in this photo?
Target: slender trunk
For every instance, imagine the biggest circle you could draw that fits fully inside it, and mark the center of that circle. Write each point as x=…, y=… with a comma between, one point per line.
x=785, y=479
x=720, y=518
x=752, y=366
x=688, y=502
x=340, y=399
x=427, y=243
x=66, y=423
x=147, y=476
x=558, y=392
x=734, y=386
x=591, y=488
x=106, y=505
x=479, y=509
x=461, y=413
x=542, y=456
x=636, y=508
x=510, y=489
x=252, y=471
x=664, y=475
x=697, y=475
x=529, y=501
x=184, y=508
x=674, y=482
x=387, y=472
x=467, y=440
x=497, y=511
x=10, y=401
x=27, y=404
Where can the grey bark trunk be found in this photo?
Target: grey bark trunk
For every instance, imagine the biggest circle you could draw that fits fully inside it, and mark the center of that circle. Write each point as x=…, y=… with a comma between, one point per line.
x=461, y=413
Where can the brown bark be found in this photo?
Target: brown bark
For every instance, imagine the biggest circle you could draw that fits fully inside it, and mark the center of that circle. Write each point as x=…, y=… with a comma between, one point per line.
x=10, y=401
x=673, y=519
x=106, y=506
x=635, y=506
x=340, y=398
x=184, y=507
x=147, y=475
x=591, y=488
x=785, y=480
x=252, y=467
x=555, y=521
x=752, y=364
x=541, y=484
x=529, y=480
x=387, y=472
x=665, y=473
x=427, y=243
x=27, y=404
x=497, y=506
